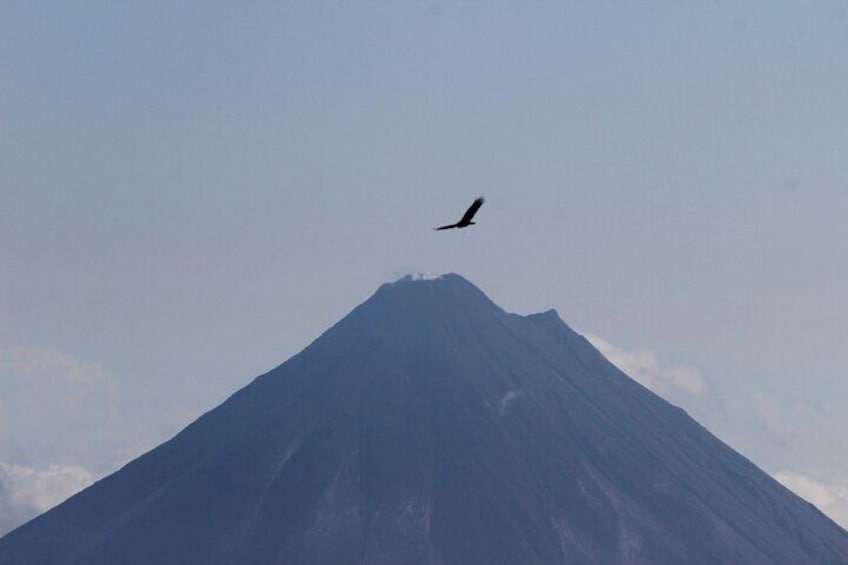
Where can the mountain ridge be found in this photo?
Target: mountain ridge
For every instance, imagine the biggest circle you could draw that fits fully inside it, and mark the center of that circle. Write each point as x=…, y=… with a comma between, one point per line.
x=431, y=426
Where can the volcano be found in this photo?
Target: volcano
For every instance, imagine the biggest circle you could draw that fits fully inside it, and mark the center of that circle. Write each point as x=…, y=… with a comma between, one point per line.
x=429, y=426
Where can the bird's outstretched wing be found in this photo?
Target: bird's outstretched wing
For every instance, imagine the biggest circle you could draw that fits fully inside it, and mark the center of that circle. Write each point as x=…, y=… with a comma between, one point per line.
x=467, y=217
x=469, y=214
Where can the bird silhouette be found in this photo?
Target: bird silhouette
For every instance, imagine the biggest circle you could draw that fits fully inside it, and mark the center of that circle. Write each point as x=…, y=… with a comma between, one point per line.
x=467, y=217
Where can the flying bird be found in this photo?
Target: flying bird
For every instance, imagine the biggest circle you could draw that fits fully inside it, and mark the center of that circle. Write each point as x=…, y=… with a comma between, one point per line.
x=467, y=217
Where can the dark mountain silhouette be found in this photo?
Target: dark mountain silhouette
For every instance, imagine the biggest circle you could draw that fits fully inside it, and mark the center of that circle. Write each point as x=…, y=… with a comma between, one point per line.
x=431, y=427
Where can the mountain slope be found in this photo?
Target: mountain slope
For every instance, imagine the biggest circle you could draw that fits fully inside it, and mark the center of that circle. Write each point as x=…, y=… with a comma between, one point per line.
x=430, y=426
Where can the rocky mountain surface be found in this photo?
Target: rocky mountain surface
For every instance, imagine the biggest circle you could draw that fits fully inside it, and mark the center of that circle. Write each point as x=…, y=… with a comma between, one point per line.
x=431, y=427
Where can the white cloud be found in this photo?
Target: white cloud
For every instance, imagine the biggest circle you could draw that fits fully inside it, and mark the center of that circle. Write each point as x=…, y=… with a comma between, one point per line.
x=813, y=437
x=424, y=276
x=42, y=489
x=49, y=363
x=12, y=516
x=56, y=408
x=644, y=367
x=26, y=492
x=813, y=443
x=830, y=497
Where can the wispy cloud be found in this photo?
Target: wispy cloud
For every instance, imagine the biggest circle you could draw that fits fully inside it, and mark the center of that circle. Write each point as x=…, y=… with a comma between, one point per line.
x=830, y=497
x=26, y=492
x=12, y=515
x=772, y=415
x=58, y=419
x=811, y=440
x=44, y=363
x=813, y=437
x=644, y=367
x=683, y=385
x=54, y=407
x=42, y=489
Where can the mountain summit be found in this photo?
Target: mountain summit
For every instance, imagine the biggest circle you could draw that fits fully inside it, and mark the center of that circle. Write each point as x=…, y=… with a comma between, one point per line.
x=429, y=426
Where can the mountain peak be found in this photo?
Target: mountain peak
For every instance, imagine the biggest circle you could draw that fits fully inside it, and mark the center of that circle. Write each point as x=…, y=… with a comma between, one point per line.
x=446, y=280
x=429, y=426
x=425, y=303
x=547, y=318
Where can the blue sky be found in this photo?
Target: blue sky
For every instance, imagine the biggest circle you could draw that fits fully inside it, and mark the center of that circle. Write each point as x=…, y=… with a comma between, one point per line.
x=190, y=194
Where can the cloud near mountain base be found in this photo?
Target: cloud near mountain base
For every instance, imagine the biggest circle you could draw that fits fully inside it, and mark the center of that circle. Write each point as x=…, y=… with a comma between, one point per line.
x=829, y=497
x=26, y=492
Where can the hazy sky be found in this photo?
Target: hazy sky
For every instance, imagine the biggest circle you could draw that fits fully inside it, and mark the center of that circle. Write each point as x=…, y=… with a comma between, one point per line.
x=190, y=194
